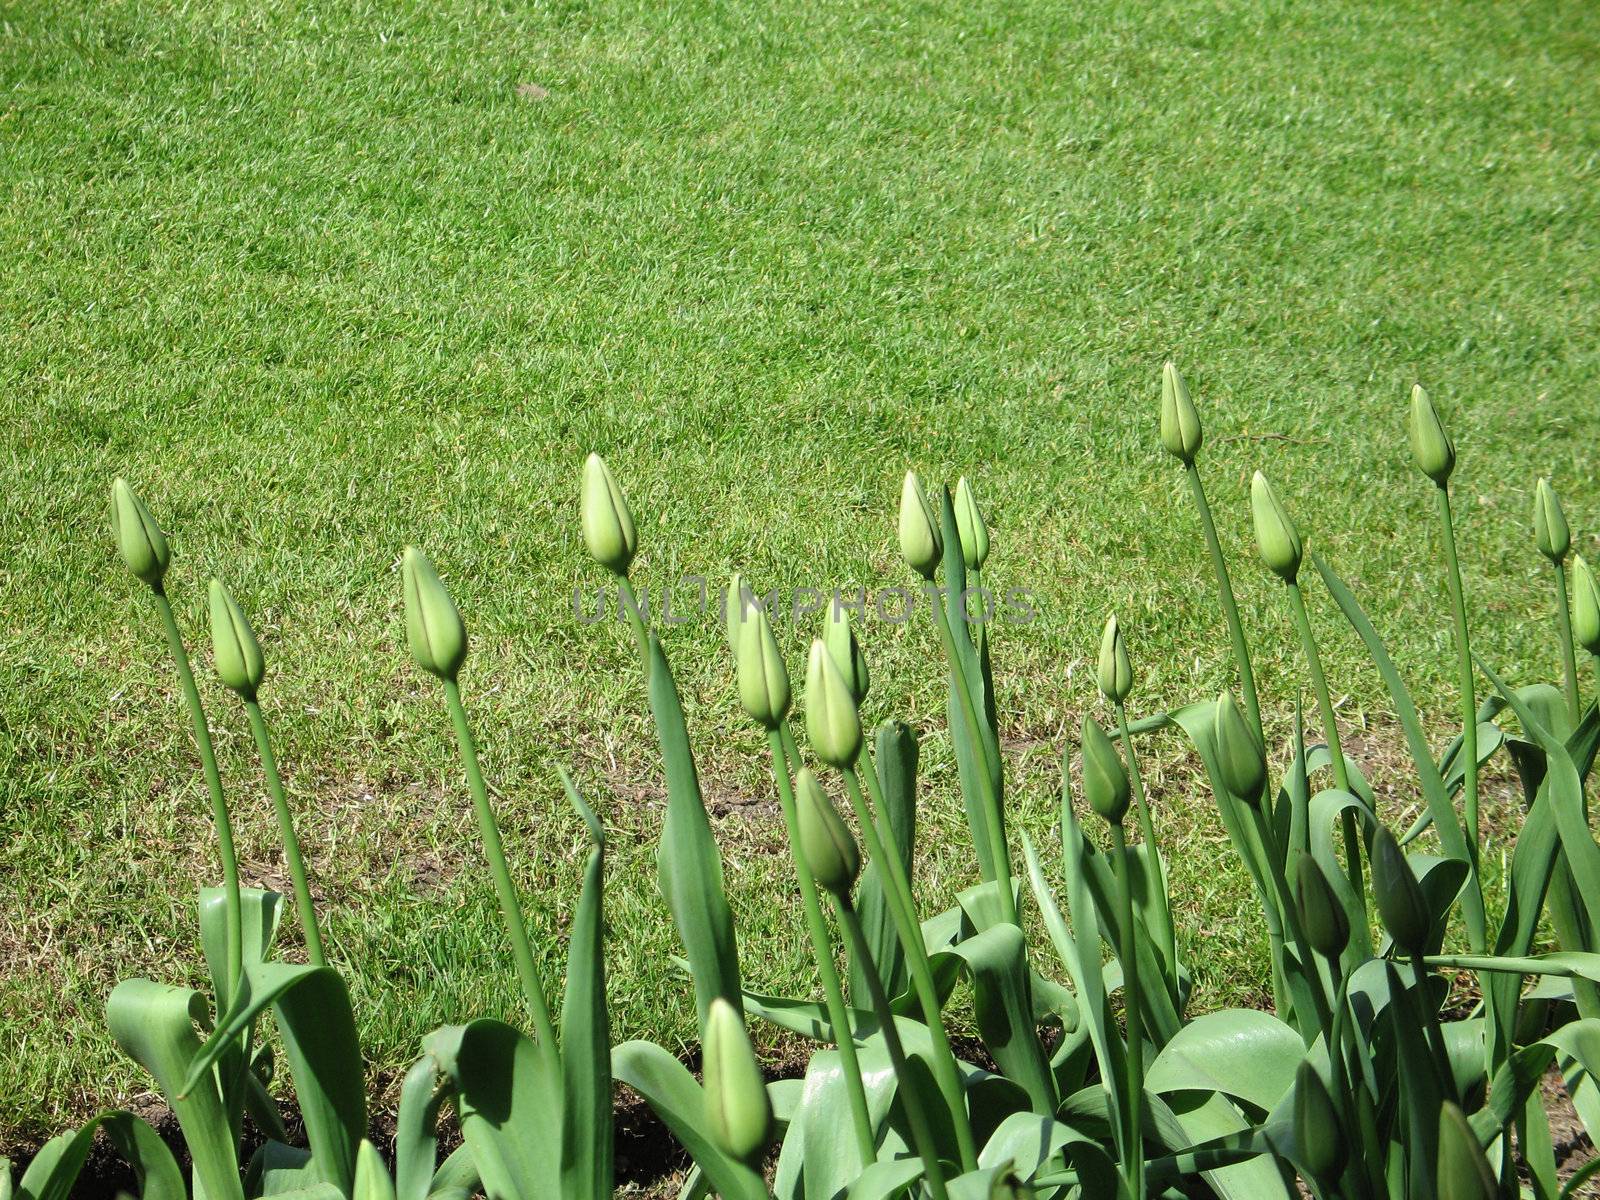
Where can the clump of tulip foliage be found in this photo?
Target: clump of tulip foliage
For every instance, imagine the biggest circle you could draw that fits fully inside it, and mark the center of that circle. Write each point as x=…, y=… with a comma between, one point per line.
x=1096, y=1081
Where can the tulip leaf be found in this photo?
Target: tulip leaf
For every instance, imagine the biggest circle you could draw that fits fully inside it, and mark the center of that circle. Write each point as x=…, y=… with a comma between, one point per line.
x=820, y=1156
x=155, y=1026
x=509, y=1104
x=675, y=1097
x=312, y=1008
x=1004, y=1009
x=885, y=1179
x=688, y=864
x=586, y=1138
x=1241, y=1053
x=416, y=1133
x=54, y=1170
x=897, y=773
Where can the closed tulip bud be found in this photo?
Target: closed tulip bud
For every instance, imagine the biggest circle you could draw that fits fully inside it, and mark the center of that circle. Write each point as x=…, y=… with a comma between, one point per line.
x=1550, y=523
x=737, y=603
x=1430, y=444
x=921, y=543
x=1241, y=762
x=763, y=679
x=1464, y=1172
x=738, y=1110
x=1316, y=1125
x=1276, y=536
x=1105, y=782
x=434, y=631
x=1180, y=423
x=840, y=639
x=1399, y=895
x=608, y=531
x=1585, y=605
x=233, y=644
x=139, y=539
x=825, y=841
x=832, y=723
x=1115, y=672
x=1321, y=915
x=969, y=524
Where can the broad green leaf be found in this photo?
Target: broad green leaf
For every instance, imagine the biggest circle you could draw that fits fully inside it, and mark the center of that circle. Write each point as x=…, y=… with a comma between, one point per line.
x=318, y=1029
x=1242, y=1053
x=1004, y=1009
x=820, y=1157
x=509, y=1104
x=276, y=1169
x=885, y=1179
x=586, y=1146
x=688, y=864
x=897, y=774
x=54, y=1171
x=675, y=1097
x=416, y=1132
x=1025, y=1142
x=372, y=1180
x=155, y=1026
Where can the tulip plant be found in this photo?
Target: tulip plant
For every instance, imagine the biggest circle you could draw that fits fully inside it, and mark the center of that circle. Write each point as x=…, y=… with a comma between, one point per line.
x=1095, y=1080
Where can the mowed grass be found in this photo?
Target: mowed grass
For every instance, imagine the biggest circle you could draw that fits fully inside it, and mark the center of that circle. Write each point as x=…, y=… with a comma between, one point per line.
x=324, y=279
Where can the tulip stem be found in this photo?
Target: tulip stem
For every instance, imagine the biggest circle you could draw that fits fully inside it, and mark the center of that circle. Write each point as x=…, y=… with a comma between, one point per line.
x=822, y=950
x=1230, y=608
x=219, y=805
x=910, y=1097
x=909, y=928
x=1569, y=662
x=1330, y=730
x=1147, y=830
x=1469, y=699
x=510, y=907
x=981, y=765
x=1127, y=951
x=291, y=844
x=635, y=615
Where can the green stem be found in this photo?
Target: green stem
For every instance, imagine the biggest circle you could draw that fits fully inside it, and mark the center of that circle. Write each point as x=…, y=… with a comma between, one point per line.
x=910, y=1097
x=903, y=910
x=291, y=844
x=980, y=751
x=822, y=950
x=494, y=851
x=1230, y=609
x=1330, y=731
x=1127, y=951
x=219, y=805
x=1569, y=660
x=1147, y=831
x=630, y=606
x=1441, y=1057
x=1469, y=699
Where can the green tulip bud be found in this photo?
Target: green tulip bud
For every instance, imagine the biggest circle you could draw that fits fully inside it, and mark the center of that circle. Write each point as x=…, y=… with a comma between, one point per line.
x=1115, y=673
x=921, y=543
x=372, y=1181
x=832, y=722
x=233, y=644
x=840, y=639
x=139, y=539
x=1105, y=782
x=608, y=530
x=1464, y=1172
x=737, y=602
x=763, y=679
x=826, y=842
x=1585, y=605
x=1276, y=536
x=1180, y=423
x=1399, y=895
x=434, y=630
x=1241, y=762
x=738, y=1110
x=1321, y=915
x=969, y=524
x=1316, y=1125
x=1550, y=530
x=1430, y=444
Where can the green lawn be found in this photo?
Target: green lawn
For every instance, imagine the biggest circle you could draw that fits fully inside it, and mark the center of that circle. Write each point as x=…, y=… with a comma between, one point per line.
x=321, y=284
